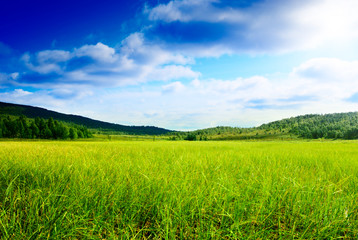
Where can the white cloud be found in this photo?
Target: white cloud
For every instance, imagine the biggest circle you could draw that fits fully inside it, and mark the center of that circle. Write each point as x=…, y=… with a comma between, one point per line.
x=20, y=93
x=53, y=56
x=167, y=73
x=194, y=10
x=320, y=79
x=210, y=102
x=247, y=101
x=328, y=69
x=134, y=61
x=40, y=65
x=329, y=78
x=99, y=52
x=47, y=61
x=14, y=75
x=135, y=48
x=264, y=27
x=8, y=79
x=173, y=87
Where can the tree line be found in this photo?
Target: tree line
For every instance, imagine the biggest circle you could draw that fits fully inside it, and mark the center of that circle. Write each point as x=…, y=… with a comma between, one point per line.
x=208, y=133
x=39, y=128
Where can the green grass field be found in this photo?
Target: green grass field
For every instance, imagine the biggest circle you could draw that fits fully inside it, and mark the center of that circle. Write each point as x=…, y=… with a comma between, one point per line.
x=183, y=190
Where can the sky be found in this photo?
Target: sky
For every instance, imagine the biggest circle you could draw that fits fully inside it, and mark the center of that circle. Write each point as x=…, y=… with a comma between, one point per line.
x=181, y=64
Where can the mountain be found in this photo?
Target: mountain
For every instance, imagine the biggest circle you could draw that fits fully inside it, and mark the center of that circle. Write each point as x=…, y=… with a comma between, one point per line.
x=32, y=112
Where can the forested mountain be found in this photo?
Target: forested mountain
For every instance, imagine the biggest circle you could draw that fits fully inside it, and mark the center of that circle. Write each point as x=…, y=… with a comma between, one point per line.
x=33, y=112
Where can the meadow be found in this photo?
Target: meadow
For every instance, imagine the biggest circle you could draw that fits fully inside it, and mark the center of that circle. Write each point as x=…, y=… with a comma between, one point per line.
x=176, y=189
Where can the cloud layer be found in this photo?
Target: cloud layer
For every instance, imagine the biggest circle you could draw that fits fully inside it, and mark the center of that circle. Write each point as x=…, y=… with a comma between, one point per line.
x=210, y=102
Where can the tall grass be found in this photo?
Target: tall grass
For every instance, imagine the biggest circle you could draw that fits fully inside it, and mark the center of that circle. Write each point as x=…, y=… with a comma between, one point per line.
x=184, y=190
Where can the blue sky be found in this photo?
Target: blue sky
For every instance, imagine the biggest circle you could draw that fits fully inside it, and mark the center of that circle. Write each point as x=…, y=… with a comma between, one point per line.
x=181, y=64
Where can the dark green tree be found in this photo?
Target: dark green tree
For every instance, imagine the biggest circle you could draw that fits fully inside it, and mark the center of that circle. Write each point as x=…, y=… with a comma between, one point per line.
x=35, y=130
x=73, y=133
x=47, y=133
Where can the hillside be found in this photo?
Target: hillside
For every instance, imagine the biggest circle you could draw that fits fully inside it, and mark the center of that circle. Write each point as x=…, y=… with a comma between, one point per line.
x=33, y=112
x=333, y=126
x=311, y=126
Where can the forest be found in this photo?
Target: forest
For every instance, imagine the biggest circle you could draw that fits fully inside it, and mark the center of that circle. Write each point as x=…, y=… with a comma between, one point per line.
x=39, y=128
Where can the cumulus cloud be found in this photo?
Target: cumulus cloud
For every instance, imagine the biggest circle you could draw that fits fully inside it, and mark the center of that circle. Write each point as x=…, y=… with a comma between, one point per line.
x=98, y=52
x=134, y=61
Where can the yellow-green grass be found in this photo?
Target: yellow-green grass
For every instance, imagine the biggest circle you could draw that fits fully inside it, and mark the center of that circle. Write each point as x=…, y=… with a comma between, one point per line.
x=183, y=190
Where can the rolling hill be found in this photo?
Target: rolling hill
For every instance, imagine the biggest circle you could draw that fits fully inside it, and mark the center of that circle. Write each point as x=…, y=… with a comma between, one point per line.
x=32, y=112
x=310, y=126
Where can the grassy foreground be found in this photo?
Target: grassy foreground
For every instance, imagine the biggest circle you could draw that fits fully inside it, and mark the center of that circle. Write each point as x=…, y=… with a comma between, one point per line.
x=184, y=190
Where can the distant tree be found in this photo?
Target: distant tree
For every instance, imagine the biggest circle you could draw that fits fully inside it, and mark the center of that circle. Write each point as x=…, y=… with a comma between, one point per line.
x=65, y=133
x=5, y=132
x=61, y=131
x=11, y=127
x=47, y=133
x=35, y=130
x=41, y=124
x=51, y=125
x=191, y=137
x=73, y=133
x=80, y=134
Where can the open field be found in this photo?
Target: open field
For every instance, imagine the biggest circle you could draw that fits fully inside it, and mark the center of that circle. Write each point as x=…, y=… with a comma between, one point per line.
x=202, y=190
